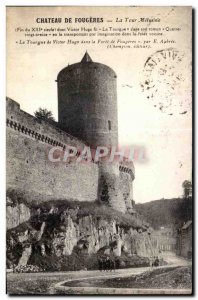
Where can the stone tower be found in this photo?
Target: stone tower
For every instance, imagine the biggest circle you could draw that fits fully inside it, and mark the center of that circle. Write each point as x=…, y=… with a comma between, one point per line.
x=87, y=102
x=87, y=109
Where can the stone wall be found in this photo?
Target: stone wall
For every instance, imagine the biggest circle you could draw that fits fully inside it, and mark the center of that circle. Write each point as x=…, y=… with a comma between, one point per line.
x=29, y=169
x=165, y=239
x=28, y=166
x=126, y=189
x=184, y=240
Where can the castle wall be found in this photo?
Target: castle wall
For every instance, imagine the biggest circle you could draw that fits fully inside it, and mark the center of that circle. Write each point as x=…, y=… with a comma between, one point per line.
x=126, y=189
x=29, y=169
x=28, y=166
x=108, y=186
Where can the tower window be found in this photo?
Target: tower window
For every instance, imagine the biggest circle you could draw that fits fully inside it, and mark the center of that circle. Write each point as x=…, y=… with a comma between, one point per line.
x=109, y=125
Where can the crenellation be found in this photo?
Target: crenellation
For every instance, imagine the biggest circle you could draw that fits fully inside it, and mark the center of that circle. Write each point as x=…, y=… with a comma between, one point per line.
x=34, y=134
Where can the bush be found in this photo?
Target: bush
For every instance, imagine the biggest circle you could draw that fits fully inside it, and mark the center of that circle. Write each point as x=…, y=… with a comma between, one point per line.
x=94, y=209
x=16, y=197
x=27, y=269
x=83, y=209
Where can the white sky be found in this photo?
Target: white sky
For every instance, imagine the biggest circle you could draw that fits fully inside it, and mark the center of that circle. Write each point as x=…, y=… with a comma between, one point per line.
x=32, y=70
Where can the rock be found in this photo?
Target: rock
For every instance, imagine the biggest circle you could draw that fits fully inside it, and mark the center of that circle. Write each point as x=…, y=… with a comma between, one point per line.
x=25, y=256
x=16, y=215
x=64, y=233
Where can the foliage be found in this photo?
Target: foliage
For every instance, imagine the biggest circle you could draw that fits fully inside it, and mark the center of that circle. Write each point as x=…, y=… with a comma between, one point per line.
x=15, y=197
x=44, y=114
x=84, y=208
x=27, y=269
x=157, y=278
x=94, y=209
x=166, y=212
x=78, y=261
x=187, y=188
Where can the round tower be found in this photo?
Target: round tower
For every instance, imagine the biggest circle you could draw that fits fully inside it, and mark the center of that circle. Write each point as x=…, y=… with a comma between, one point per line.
x=87, y=102
x=87, y=109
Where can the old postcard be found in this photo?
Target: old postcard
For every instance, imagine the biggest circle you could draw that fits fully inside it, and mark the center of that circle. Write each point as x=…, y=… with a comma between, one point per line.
x=99, y=150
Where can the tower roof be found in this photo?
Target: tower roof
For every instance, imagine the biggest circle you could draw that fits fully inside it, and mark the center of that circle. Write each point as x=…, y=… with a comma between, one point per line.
x=86, y=58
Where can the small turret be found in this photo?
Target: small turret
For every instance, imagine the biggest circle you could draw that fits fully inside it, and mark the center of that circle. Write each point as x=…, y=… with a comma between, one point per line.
x=86, y=58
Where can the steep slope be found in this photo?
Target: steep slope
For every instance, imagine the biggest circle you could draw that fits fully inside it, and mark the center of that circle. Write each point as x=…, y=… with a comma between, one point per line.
x=166, y=212
x=65, y=235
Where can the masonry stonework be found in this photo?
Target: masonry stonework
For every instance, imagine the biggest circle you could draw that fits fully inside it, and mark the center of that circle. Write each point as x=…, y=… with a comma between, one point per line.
x=29, y=168
x=87, y=100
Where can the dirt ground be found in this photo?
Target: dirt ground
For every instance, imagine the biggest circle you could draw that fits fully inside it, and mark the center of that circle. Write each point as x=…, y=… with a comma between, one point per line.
x=177, y=274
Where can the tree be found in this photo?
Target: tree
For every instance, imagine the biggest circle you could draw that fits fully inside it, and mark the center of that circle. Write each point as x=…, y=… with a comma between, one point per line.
x=44, y=114
x=187, y=188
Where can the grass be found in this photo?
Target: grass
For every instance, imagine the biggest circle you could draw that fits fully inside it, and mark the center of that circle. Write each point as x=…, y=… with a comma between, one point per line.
x=33, y=284
x=39, y=284
x=167, y=278
x=85, y=208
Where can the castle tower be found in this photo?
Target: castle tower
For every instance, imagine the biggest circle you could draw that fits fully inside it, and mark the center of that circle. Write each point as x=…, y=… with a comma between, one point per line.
x=87, y=109
x=87, y=102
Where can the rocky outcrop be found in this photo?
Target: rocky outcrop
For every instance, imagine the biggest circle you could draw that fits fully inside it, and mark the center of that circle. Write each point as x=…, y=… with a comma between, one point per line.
x=61, y=233
x=25, y=256
x=16, y=214
x=104, y=234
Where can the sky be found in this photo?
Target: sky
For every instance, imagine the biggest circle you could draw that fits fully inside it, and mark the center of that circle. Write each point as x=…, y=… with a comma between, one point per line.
x=160, y=124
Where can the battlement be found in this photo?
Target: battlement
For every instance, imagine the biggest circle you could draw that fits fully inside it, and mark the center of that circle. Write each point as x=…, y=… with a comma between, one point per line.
x=47, y=133
x=40, y=130
x=127, y=167
x=36, y=135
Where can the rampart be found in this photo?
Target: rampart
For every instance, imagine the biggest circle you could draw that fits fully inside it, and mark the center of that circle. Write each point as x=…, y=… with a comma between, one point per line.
x=29, y=169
